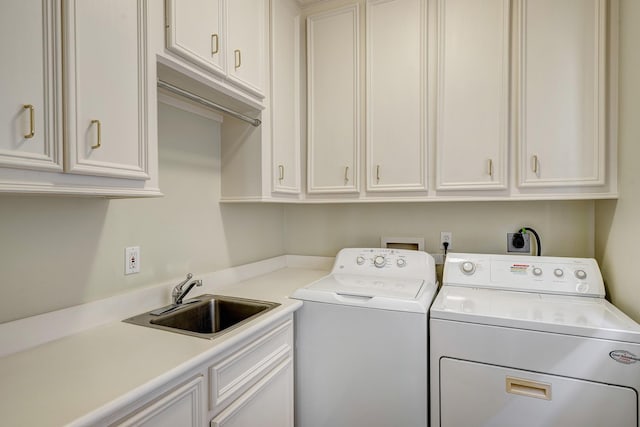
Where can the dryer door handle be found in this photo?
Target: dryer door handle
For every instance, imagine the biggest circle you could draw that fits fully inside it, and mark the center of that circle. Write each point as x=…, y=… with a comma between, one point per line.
x=528, y=388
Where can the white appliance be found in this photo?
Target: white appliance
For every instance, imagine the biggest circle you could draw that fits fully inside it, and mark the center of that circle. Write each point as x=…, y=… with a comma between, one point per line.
x=361, y=341
x=530, y=341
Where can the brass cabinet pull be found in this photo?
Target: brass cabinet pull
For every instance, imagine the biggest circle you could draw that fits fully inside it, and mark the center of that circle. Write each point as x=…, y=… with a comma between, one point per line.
x=534, y=164
x=32, y=124
x=238, y=56
x=377, y=174
x=281, y=176
x=490, y=168
x=97, y=123
x=346, y=174
x=214, y=42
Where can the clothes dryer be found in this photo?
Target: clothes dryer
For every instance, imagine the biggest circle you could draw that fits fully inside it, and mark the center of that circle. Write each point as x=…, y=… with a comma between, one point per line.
x=530, y=341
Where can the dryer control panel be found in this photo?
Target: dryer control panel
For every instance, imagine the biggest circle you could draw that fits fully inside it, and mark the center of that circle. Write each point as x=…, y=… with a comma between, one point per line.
x=553, y=275
x=383, y=262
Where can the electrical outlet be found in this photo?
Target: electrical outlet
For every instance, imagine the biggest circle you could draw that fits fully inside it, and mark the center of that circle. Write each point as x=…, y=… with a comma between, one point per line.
x=445, y=236
x=522, y=246
x=132, y=260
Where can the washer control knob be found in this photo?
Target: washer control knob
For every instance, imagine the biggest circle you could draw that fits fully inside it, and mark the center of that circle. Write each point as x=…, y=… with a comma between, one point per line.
x=379, y=261
x=360, y=260
x=401, y=262
x=582, y=288
x=581, y=274
x=558, y=272
x=468, y=267
x=537, y=271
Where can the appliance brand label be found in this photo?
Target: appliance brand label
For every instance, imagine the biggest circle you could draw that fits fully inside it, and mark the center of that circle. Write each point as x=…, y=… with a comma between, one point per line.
x=519, y=268
x=623, y=356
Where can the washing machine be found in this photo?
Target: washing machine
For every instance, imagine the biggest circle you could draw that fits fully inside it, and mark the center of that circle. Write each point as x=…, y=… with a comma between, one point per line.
x=361, y=356
x=530, y=341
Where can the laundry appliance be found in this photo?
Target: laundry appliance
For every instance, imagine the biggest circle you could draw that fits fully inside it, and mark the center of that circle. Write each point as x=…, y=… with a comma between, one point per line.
x=361, y=356
x=530, y=341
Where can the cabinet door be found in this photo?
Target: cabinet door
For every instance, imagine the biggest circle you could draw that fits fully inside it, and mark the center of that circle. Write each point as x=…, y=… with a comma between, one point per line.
x=105, y=87
x=196, y=32
x=180, y=407
x=268, y=404
x=473, y=94
x=396, y=95
x=333, y=98
x=246, y=29
x=28, y=126
x=285, y=96
x=561, y=92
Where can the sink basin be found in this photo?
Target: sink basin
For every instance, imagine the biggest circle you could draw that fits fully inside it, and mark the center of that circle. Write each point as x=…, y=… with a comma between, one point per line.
x=206, y=316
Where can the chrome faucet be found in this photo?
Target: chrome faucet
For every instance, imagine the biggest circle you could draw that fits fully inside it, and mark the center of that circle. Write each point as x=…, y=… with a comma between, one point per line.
x=182, y=289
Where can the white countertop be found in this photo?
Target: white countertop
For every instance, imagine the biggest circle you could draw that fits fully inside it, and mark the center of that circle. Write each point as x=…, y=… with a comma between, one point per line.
x=80, y=378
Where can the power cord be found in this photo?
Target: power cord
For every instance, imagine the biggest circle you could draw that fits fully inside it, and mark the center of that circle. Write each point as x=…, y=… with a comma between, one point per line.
x=445, y=245
x=518, y=238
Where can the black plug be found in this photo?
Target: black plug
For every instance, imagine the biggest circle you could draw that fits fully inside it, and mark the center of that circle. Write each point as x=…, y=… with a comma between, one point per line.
x=518, y=240
x=445, y=245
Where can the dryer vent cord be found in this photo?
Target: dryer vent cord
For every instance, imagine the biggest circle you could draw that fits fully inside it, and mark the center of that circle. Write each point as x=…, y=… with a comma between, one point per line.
x=524, y=230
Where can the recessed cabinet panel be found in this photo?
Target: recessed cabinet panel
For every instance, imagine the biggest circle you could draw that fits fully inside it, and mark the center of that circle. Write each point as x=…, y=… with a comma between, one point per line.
x=105, y=87
x=246, y=43
x=396, y=95
x=333, y=87
x=561, y=88
x=196, y=32
x=28, y=127
x=268, y=404
x=472, y=94
x=285, y=96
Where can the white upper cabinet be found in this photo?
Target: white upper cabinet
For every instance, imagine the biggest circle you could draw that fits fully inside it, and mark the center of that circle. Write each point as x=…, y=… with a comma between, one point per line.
x=225, y=37
x=333, y=94
x=246, y=46
x=285, y=96
x=396, y=95
x=561, y=128
x=197, y=32
x=29, y=132
x=105, y=88
x=472, y=129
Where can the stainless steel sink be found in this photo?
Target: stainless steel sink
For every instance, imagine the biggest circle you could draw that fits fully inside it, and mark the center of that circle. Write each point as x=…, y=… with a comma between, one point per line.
x=206, y=316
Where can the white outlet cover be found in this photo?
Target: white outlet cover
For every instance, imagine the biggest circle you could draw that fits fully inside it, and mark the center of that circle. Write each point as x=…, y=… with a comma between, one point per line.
x=132, y=260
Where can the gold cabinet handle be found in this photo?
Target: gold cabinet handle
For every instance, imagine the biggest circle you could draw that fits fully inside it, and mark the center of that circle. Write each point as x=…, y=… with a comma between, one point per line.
x=490, y=167
x=238, y=56
x=346, y=174
x=281, y=170
x=534, y=164
x=99, y=125
x=32, y=124
x=377, y=174
x=215, y=45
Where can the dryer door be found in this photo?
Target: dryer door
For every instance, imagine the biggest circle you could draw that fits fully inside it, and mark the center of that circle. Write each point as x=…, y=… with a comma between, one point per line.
x=477, y=394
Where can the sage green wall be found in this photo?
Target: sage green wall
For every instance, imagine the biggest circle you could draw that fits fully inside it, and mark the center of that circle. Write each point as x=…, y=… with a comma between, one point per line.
x=58, y=252
x=566, y=228
x=617, y=222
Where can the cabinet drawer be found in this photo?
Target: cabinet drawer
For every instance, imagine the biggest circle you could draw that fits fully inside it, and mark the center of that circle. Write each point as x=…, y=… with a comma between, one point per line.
x=233, y=375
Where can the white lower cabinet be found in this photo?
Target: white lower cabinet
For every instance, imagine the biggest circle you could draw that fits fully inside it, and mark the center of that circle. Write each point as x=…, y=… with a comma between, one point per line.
x=181, y=406
x=247, y=385
x=268, y=404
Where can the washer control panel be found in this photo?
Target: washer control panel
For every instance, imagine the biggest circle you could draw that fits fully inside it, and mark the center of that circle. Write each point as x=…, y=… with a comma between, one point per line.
x=555, y=275
x=384, y=262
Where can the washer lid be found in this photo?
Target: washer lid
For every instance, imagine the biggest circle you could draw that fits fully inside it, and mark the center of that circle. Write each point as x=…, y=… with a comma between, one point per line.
x=569, y=315
x=413, y=295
